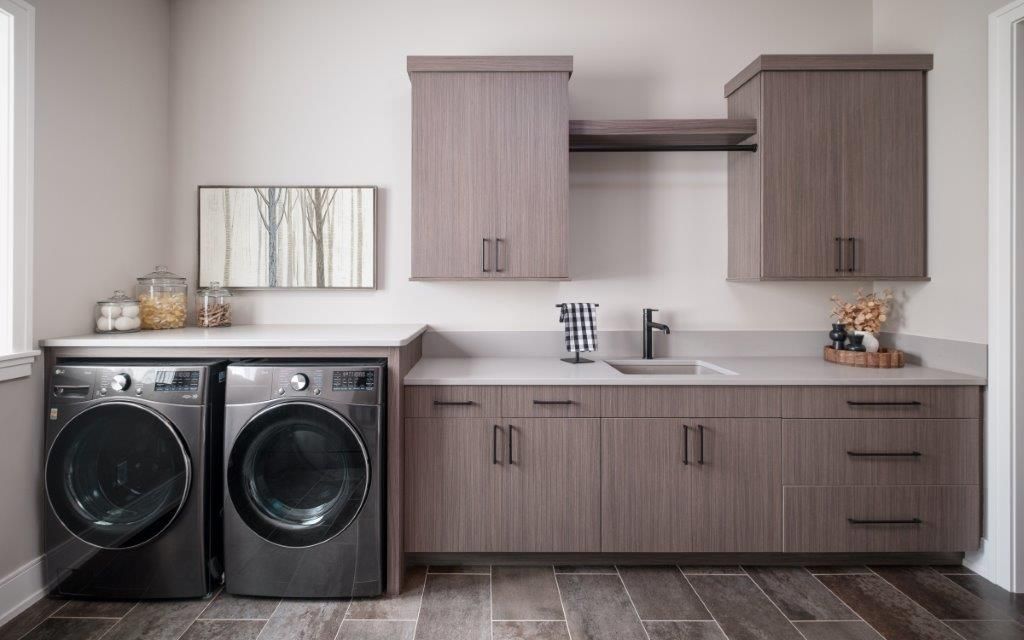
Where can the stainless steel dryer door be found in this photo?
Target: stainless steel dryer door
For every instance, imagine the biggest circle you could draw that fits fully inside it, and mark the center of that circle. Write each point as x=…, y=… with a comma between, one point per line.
x=117, y=475
x=298, y=474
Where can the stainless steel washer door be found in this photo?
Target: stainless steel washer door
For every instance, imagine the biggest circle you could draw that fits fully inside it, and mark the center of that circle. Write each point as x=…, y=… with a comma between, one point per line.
x=117, y=475
x=298, y=474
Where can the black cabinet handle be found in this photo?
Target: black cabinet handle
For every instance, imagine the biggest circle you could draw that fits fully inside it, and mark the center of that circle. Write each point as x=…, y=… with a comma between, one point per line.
x=497, y=255
x=483, y=257
x=907, y=403
x=552, y=402
x=884, y=454
x=700, y=455
x=510, y=430
x=494, y=444
x=453, y=403
x=907, y=521
x=839, y=254
x=853, y=255
x=686, y=444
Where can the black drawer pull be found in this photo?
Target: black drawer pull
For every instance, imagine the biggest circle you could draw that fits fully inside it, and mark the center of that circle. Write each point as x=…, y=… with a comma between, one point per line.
x=859, y=521
x=494, y=444
x=686, y=444
x=884, y=454
x=700, y=456
x=553, y=402
x=510, y=430
x=839, y=254
x=908, y=403
x=453, y=403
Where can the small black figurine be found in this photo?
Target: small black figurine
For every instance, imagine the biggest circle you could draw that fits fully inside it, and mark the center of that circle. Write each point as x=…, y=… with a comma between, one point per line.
x=838, y=336
x=856, y=343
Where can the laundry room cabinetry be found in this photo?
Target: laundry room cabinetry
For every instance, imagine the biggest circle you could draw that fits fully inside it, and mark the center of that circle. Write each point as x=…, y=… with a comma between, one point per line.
x=490, y=167
x=836, y=188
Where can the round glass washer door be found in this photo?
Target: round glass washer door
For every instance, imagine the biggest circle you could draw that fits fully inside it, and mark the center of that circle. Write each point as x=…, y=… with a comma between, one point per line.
x=117, y=475
x=298, y=474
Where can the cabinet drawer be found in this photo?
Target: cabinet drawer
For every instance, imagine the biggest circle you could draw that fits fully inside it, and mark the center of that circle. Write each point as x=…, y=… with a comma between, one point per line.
x=452, y=402
x=700, y=402
x=881, y=519
x=881, y=402
x=880, y=452
x=551, y=402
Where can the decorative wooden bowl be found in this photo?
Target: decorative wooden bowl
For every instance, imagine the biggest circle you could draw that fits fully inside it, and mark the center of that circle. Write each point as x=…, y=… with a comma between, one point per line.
x=884, y=359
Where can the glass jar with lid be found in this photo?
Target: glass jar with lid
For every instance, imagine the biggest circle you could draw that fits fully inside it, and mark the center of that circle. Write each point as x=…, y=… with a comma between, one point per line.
x=213, y=306
x=163, y=299
x=117, y=314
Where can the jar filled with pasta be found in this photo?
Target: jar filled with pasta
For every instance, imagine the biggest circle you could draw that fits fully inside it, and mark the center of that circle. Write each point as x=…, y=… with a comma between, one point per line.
x=213, y=306
x=163, y=300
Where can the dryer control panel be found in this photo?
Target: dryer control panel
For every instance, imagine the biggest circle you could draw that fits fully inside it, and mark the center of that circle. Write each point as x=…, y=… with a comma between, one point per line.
x=347, y=384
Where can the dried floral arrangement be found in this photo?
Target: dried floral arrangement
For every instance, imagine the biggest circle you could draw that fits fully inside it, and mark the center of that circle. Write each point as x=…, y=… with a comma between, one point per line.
x=868, y=313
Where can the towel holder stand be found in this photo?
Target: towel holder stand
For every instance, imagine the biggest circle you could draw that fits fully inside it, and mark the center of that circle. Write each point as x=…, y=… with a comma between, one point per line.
x=577, y=359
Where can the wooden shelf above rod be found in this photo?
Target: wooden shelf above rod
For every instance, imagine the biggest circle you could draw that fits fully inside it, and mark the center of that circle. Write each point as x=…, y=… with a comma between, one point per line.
x=721, y=134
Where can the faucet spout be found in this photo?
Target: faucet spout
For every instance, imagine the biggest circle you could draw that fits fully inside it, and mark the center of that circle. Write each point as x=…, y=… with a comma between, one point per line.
x=648, y=327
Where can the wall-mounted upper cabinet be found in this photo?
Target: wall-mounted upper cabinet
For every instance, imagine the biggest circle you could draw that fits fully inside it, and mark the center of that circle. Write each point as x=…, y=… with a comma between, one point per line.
x=836, y=189
x=490, y=167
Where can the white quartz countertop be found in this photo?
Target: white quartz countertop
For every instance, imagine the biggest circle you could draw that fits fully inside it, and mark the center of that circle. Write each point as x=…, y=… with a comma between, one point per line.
x=746, y=371
x=263, y=335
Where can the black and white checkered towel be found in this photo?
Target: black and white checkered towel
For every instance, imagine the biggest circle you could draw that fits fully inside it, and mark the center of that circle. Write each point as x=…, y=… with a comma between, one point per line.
x=580, y=321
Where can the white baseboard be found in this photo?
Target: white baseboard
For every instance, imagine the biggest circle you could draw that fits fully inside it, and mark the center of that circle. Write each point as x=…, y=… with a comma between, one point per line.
x=21, y=588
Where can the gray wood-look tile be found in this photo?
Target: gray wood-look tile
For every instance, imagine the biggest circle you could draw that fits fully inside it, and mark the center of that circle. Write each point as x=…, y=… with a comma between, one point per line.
x=525, y=593
x=888, y=610
x=71, y=628
x=680, y=630
x=377, y=630
x=229, y=607
x=662, y=593
x=833, y=569
x=597, y=608
x=455, y=607
x=1011, y=604
x=799, y=594
x=30, y=618
x=933, y=591
x=224, y=630
x=705, y=570
x=988, y=629
x=845, y=630
x=743, y=612
x=585, y=568
x=460, y=568
x=94, y=609
x=305, y=620
x=404, y=606
x=522, y=630
x=157, y=620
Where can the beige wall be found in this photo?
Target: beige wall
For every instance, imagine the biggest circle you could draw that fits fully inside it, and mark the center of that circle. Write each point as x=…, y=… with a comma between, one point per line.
x=102, y=166
x=315, y=92
x=954, y=304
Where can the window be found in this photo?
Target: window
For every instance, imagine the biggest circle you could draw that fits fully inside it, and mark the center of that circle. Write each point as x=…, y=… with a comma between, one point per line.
x=17, y=35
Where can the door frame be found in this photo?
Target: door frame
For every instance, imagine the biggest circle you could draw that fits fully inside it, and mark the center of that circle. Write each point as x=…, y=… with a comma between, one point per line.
x=1001, y=557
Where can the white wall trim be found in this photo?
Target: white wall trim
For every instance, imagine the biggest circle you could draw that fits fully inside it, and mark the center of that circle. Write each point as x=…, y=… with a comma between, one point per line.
x=20, y=589
x=1000, y=559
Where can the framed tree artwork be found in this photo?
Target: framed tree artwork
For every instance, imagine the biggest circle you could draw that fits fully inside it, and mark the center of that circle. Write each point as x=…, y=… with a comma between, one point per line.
x=288, y=237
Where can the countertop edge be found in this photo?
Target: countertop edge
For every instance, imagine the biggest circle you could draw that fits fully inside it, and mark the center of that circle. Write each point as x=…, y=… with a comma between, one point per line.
x=160, y=340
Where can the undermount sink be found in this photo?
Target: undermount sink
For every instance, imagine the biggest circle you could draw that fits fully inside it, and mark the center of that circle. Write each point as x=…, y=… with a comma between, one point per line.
x=668, y=368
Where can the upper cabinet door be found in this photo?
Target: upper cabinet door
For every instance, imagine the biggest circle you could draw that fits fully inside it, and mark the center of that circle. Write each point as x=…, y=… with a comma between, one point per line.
x=801, y=174
x=884, y=174
x=532, y=174
x=454, y=205
x=490, y=167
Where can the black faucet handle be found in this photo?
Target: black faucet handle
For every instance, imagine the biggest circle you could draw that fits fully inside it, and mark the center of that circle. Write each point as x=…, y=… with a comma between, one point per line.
x=652, y=310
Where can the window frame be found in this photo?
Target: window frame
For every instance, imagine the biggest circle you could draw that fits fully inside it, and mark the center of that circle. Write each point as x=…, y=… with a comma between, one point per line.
x=16, y=358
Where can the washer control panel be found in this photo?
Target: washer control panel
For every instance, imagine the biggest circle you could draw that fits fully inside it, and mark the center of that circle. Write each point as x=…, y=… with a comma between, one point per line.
x=354, y=380
x=173, y=385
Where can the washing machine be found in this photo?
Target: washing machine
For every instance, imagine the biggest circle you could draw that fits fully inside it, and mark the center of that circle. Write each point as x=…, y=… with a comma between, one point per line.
x=132, y=476
x=304, y=477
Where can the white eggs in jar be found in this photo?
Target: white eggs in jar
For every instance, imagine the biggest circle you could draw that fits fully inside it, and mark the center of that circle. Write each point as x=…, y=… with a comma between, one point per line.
x=117, y=314
x=111, y=311
x=131, y=311
x=105, y=323
x=124, y=323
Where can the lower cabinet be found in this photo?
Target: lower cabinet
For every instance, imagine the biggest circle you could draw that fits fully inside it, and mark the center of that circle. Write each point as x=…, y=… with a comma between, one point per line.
x=478, y=485
x=691, y=484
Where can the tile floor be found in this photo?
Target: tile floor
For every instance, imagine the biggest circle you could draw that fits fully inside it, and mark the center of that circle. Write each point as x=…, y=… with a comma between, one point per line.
x=578, y=603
